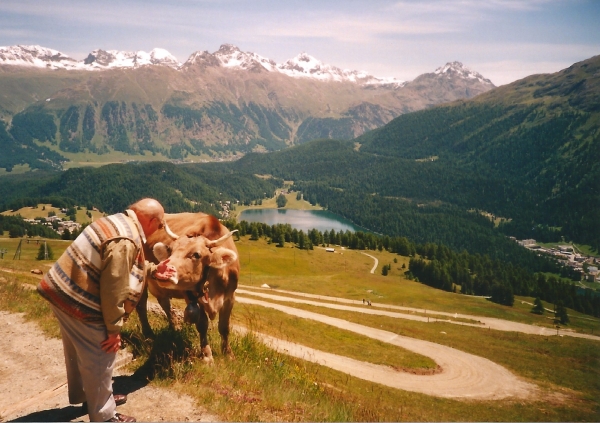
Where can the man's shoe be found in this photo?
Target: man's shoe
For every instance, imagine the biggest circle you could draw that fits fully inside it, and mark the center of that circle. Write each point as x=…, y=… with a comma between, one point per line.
x=120, y=399
x=118, y=417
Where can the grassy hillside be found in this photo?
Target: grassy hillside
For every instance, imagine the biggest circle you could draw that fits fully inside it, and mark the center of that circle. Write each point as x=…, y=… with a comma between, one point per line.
x=44, y=210
x=261, y=384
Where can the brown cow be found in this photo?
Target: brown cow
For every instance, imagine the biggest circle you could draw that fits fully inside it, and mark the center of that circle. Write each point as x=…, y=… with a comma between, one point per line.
x=208, y=268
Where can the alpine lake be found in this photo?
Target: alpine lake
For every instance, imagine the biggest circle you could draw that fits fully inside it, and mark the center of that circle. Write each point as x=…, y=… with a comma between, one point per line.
x=305, y=220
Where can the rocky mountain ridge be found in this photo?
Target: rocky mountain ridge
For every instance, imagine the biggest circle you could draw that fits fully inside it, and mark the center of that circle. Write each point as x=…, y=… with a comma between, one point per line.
x=228, y=56
x=214, y=105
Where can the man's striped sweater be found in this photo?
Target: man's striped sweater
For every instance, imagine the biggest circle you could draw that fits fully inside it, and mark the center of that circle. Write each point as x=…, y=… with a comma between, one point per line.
x=73, y=283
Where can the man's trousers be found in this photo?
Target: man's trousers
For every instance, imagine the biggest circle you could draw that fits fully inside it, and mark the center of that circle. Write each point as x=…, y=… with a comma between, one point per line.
x=89, y=368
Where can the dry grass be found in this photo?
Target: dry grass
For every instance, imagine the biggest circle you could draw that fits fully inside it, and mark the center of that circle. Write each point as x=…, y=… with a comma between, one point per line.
x=263, y=385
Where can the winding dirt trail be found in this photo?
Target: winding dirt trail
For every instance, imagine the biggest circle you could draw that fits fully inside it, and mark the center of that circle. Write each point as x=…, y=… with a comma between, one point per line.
x=463, y=375
x=484, y=322
x=376, y=262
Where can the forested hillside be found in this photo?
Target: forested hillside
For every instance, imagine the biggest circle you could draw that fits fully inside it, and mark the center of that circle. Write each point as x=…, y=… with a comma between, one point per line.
x=528, y=152
x=111, y=188
x=539, y=138
x=423, y=201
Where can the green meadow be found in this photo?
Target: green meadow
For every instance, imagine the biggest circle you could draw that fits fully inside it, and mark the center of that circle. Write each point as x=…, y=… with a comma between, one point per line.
x=43, y=210
x=264, y=385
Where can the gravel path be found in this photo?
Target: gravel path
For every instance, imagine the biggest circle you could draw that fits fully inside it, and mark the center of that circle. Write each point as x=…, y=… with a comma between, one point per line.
x=463, y=375
x=376, y=262
x=485, y=322
x=33, y=382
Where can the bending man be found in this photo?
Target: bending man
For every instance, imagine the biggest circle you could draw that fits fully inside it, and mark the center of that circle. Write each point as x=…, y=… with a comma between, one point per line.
x=92, y=289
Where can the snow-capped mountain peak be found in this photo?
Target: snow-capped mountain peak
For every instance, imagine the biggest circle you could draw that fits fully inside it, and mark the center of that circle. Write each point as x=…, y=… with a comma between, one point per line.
x=452, y=69
x=36, y=56
x=305, y=65
x=227, y=56
x=232, y=57
x=301, y=66
x=42, y=57
x=102, y=59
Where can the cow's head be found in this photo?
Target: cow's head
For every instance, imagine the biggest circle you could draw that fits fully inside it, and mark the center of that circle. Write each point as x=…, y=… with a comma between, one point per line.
x=201, y=267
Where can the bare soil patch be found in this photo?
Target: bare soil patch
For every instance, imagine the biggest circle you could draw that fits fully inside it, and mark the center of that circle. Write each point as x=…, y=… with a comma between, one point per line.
x=33, y=382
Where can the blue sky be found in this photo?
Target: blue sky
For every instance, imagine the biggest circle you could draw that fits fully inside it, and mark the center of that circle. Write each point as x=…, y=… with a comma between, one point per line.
x=504, y=40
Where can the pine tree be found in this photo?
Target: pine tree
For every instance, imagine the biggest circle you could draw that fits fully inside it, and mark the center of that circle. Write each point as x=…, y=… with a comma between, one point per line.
x=281, y=201
x=42, y=252
x=538, y=307
x=254, y=233
x=561, y=313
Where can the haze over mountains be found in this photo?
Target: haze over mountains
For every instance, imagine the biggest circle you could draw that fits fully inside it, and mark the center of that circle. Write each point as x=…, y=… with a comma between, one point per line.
x=214, y=104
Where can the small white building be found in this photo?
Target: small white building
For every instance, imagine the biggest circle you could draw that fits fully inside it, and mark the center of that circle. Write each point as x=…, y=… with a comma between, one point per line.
x=527, y=242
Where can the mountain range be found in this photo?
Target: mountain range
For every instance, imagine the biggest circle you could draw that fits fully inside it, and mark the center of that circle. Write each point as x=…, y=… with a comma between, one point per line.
x=527, y=153
x=226, y=103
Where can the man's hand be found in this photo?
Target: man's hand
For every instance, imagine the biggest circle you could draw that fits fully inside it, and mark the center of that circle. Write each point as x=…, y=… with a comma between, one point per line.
x=112, y=343
x=166, y=272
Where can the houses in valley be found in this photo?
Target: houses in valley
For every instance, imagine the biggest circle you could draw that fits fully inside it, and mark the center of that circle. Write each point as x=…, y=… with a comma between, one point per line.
x=567, y=255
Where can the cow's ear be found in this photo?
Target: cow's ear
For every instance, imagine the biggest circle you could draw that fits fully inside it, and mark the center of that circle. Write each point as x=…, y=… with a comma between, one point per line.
x=222, y=257
x=161, y=251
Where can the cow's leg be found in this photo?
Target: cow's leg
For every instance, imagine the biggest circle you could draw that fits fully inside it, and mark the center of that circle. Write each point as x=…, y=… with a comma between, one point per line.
x=224, y=315
x=202, y=326
x=165, y=304
x=142, y=309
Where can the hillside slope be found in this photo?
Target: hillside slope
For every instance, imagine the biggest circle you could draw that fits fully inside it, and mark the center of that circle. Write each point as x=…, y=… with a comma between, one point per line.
x=540, y=135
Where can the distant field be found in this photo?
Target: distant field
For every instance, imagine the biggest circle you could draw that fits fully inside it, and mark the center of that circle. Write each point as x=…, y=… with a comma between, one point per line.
x=271, y=203
x=579, y=248
x=16, y=170
x=42, y=210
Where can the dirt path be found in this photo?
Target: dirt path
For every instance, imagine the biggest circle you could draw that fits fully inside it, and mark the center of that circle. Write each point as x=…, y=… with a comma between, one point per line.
x=485, y=322
x=376, y=262
x=463, y=375
x=33, y=382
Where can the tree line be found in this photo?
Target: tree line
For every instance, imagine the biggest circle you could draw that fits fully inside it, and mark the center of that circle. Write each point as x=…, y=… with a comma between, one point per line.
x=440, y=267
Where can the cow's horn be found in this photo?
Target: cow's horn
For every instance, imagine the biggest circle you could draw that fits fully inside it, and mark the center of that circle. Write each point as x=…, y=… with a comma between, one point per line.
x=217, y=242
x=170, y=232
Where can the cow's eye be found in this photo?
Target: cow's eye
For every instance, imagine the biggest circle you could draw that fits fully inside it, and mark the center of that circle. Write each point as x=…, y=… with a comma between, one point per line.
x=196, y=256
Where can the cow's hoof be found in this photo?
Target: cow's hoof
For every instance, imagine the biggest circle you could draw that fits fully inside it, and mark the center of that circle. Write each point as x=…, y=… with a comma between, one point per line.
x=226, y=350
x=207, y=355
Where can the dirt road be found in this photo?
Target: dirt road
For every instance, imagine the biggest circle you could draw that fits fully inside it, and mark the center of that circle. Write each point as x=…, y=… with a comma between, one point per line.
x=463, y=375
x=376, y=262
x=484, y=322
x=33, y=382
